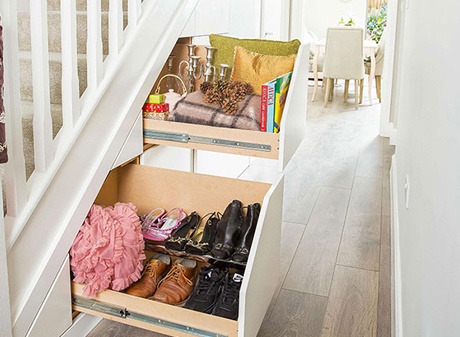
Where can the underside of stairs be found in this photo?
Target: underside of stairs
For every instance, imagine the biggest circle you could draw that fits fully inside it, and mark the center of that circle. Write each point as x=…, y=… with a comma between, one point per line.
x=56, y=206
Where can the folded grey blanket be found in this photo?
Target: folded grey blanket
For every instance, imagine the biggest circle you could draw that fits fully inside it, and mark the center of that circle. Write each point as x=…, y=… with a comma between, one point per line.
x=192, y=109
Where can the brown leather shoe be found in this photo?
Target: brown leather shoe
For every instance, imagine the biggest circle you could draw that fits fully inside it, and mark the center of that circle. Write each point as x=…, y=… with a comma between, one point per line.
x=178, y=284
x=154, y=270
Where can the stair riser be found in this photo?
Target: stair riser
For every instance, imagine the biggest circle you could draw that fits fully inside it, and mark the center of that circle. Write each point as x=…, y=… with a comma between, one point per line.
x=54, y=32
x=25, y=69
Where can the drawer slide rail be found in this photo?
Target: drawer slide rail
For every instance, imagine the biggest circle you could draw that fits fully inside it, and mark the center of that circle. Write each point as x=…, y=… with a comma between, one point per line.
x=124, y=313
x=186, y=138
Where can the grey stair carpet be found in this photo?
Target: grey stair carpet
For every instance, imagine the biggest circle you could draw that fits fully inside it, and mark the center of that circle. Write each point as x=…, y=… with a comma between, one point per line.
x=55, y=64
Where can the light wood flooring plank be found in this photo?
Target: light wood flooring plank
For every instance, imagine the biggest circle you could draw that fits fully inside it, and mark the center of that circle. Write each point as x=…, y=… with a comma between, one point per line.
x=360, y=245
x=366, y=196
x=343, y=173
x=291, y=234
x=384, y=303
x=107, y=328
x=352, y=306
x=371, y=159
x=299, y=200
x=313, y=265
x=295, y=314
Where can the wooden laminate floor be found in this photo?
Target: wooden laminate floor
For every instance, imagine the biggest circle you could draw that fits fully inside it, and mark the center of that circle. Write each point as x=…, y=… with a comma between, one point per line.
x=335, y=272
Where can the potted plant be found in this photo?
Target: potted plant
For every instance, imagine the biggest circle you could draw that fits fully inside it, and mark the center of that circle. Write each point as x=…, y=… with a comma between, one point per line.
x=376, y=22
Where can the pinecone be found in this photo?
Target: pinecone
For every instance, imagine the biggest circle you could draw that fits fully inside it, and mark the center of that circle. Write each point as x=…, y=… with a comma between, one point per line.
x=238, y=90
x=220, y=85
x=212, y=96
x=229, y=106
x=248, y=88
x=205, y=86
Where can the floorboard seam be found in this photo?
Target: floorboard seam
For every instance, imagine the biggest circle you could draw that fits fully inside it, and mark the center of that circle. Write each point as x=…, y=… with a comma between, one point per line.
x=303, y=292
x=353, y=267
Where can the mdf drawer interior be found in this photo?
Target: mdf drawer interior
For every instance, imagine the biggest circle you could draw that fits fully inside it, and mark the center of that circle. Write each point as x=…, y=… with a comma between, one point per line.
x=148, y=188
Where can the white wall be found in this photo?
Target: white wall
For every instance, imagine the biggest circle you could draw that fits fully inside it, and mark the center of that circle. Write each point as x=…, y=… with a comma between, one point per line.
x=428, y=150
x=321, y=14
x=245, y=18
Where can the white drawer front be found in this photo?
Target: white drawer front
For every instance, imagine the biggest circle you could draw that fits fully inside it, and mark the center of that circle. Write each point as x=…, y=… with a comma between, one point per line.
x=55, y=315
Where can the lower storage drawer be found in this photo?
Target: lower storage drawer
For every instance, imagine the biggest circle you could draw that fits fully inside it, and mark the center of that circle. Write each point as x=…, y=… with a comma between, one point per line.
x=148, y=188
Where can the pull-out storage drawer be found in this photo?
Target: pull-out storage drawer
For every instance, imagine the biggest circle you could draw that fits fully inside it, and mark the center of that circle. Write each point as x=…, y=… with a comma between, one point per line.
x=149, y=188
x=280, y=146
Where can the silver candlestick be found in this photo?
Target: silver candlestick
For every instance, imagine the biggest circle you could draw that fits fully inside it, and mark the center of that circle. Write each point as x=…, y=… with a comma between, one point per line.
x=190, y=66
x=223, y=71
x=209, y=71
x=170, y=81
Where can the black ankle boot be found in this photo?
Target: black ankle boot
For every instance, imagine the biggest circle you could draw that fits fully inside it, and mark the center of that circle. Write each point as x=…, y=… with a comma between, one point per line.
x=247, y=234
x=228, y=230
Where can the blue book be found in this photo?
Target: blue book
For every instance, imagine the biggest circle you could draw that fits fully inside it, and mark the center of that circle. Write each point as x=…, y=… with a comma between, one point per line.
x=271, y=106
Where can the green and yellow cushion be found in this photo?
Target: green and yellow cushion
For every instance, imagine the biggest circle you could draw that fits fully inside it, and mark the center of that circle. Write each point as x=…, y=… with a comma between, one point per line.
x=225, y=48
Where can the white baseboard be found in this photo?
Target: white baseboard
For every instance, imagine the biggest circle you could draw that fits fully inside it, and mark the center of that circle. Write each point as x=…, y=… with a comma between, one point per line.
x=82, y=325
x=396, y=314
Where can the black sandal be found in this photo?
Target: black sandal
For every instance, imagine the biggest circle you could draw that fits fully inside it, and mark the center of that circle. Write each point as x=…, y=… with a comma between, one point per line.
x=204, y=246
x=181, y=234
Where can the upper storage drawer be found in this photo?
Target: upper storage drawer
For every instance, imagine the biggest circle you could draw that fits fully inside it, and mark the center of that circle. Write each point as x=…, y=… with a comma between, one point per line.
x=149, y=188
x=279, y=146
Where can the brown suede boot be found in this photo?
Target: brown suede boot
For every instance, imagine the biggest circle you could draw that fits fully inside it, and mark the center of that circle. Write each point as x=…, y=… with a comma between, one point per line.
x=154, y=270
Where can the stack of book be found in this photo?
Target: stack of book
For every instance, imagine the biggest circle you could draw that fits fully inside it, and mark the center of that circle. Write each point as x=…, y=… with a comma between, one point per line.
x=272, y=100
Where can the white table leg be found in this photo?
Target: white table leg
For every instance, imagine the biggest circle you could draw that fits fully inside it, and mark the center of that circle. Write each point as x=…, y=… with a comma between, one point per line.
x=315, y=71
x=371, y=73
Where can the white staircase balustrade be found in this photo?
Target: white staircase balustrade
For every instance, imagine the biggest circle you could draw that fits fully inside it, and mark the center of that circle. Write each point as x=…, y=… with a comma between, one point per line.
x=46, y=207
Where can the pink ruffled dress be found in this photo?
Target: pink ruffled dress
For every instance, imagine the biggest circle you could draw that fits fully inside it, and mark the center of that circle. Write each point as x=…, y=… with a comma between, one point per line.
x=109, y=249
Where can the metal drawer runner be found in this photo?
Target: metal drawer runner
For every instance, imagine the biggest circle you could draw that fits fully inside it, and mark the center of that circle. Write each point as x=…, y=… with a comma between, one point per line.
x=124, y=313
x=186, y=138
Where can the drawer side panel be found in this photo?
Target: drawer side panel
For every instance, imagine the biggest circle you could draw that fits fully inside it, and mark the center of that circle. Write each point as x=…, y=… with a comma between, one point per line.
x=261, y=276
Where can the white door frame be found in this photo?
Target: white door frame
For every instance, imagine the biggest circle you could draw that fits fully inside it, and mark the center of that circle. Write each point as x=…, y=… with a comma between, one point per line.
x=388, y=69
x=5, y=310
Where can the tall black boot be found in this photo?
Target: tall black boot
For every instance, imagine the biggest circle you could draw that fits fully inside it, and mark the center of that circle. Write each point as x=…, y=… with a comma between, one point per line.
x=228, y=230
x=247, y=234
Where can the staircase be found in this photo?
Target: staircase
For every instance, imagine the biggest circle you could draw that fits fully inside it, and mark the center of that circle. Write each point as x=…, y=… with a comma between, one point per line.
x=85, y=70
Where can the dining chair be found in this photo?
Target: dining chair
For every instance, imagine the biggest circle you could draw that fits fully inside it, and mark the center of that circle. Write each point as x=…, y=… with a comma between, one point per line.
x=343, y=60
x=379, y=54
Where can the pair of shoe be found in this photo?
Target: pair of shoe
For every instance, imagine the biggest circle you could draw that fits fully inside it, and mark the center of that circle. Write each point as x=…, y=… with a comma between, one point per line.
x=217, y=293
x=159, y=224
x=194, y=237
x=165, y=283
x=235, y=232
